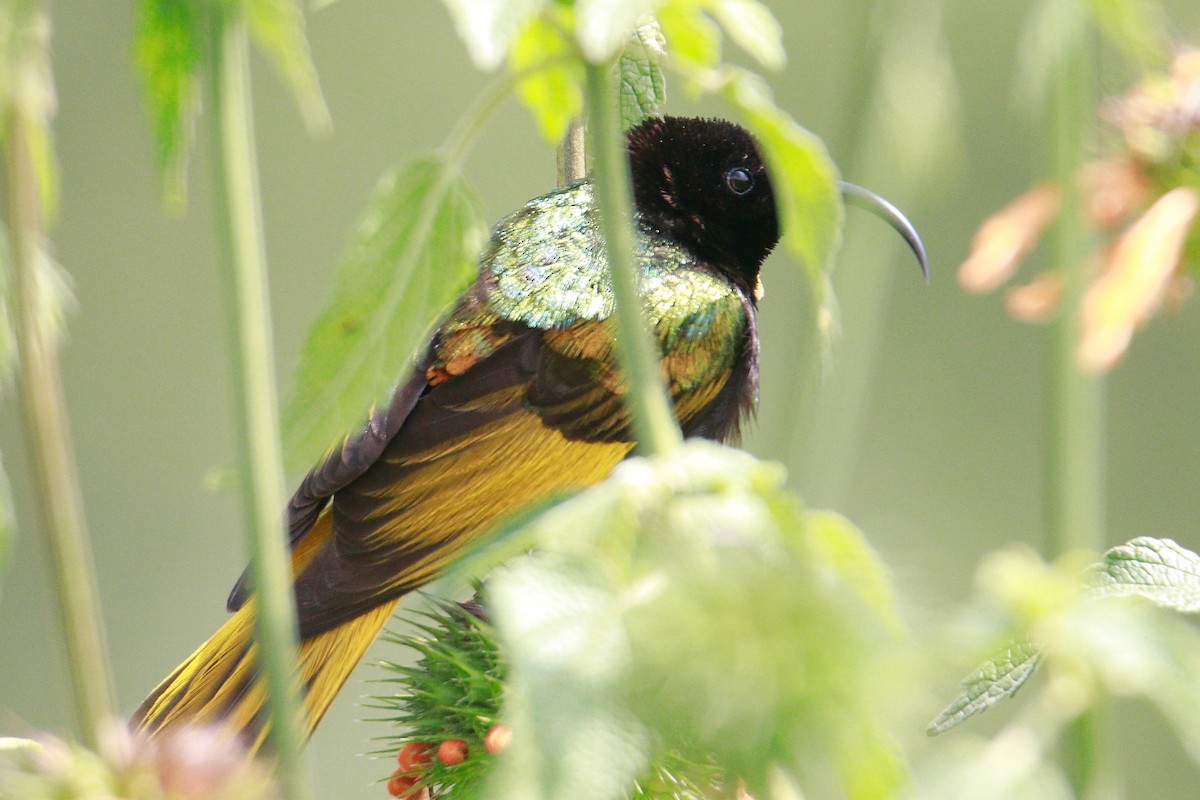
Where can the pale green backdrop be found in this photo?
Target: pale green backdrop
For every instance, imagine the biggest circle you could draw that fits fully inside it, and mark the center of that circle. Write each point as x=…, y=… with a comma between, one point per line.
x=934, y=446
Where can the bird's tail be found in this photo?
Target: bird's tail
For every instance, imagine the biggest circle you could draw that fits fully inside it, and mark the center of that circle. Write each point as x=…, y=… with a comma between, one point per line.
x=220, y=683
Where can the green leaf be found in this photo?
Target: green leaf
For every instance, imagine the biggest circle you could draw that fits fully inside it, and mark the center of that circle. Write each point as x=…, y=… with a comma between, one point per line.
x=489, y=27
x=692, y=38
x=1175, y=687
x=551, y=86
x=1157, y=569
x=990, y=683
x=754, y=28
x=643, y=86
x=842, y=547
x=413, y=253
x=277, y=26
x=168, y=52
x=603, y=26
x=803, y=176
x=569, y=660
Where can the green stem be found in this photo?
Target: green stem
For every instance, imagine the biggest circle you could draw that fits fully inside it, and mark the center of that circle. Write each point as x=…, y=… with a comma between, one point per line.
x=1077, y=459
x=55, y=472
x=1077, y=444
x=653, y=418
x=257, y=407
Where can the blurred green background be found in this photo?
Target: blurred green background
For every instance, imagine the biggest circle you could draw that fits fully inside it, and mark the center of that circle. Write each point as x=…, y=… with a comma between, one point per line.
x=931, y=418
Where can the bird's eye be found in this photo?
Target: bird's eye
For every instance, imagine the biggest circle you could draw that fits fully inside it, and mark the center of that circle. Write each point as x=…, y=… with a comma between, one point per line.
x=739, y=180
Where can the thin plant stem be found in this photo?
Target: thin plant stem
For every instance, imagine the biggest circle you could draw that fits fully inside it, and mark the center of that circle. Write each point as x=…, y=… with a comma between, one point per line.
x=55, y=472
x=257, y=407
x=1077, y=441
x=653, y=419
x=1077, y=458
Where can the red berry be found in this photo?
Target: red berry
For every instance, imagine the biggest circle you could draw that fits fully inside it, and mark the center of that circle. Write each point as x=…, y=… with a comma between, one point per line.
x=401, y=786
x=452, y=751
x=415, y=756
x=497, y=739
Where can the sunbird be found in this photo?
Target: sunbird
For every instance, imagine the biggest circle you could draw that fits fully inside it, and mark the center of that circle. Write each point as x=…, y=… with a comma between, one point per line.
x=517, y=397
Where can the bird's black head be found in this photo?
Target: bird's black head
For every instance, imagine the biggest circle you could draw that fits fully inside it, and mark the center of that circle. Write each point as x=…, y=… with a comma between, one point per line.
x=702, y=183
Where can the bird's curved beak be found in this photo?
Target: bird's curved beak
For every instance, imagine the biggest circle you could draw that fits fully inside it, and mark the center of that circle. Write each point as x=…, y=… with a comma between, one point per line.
x=855, y=195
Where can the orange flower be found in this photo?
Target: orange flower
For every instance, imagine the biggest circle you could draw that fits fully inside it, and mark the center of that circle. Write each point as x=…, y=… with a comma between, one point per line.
x=1008, y=236
x=1136, y=279
x=1037, y=300
x=1158, y=122
x=1113, y=190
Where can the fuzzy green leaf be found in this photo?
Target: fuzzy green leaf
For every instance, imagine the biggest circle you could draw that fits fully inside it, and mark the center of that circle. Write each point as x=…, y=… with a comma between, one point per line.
x=991, y=682
x=277, y=27
x=413, y=253
x=692, y=38
x=643, y=87
x=488, y=27
x=1157, y=569
x=754, y=28
x=1134, y=649
x=1174, y=689
x=841, y=547
x=803, y=176
x=603, y=26
x=561, y=628
x=167, y=52
x=551, y=86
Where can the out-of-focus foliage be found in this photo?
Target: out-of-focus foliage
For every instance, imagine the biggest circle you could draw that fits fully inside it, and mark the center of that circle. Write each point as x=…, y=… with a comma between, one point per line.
x=690, y=603
x=1093, y=638
x=27, y=90
x=172, y=49
x=169, y=53
x=1142, y=197
x=191, y=764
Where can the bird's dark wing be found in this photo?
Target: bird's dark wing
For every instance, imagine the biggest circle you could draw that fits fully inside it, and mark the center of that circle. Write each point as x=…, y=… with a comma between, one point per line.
x=341, y=466
x=473, y=449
